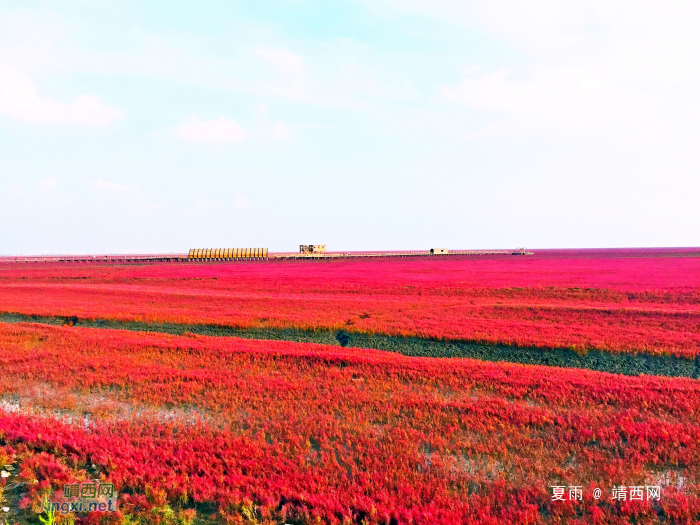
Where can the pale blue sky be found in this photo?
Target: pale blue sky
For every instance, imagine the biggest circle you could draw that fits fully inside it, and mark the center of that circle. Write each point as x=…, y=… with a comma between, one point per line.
x=379, y=124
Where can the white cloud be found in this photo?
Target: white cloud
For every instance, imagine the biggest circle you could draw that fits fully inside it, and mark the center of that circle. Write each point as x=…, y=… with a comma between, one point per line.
x=624, y=69
x=19, y=100
x=563, y=97
x=282, y=59
x=49, y=184
x=291, y=81
x=535, y=24
x=130, y=195
x=240, y=202
x=280, y=131
x=219, y=131
x=206, y=204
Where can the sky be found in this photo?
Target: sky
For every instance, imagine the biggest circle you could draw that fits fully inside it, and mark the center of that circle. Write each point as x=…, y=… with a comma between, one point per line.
x=154, y=126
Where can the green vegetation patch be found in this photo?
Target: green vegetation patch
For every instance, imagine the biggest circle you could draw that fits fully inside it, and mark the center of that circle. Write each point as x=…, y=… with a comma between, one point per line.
x=602, y=361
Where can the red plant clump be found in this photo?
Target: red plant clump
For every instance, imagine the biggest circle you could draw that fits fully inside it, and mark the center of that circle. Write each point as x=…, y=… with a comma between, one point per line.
x=308, y=432
x=623, y=301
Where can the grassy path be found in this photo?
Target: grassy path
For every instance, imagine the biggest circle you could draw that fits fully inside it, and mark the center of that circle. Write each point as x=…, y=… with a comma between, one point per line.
x=602, y=361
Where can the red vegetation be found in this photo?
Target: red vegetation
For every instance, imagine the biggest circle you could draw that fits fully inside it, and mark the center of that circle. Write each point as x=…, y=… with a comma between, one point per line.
x=298, y=431
x=618, y=300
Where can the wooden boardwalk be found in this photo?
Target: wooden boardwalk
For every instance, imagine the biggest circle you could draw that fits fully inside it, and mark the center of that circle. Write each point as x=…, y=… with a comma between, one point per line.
x=414, y=253
x=140, y=258
x=279, y=256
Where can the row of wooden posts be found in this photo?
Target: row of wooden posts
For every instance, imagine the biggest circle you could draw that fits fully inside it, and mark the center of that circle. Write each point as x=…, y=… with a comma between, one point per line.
x=227, y=253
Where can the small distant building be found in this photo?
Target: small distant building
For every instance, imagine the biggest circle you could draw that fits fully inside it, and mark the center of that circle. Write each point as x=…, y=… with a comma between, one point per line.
x=312, y=248
x=439, y=251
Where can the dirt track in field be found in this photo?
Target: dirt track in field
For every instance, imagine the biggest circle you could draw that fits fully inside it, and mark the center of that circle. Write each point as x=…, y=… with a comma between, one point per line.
x=602, y=361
